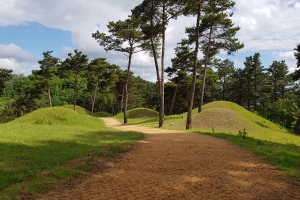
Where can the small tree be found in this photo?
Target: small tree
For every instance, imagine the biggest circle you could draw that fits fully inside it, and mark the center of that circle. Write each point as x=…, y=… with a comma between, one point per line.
x=100, y=73
x=279, y=80
x=128, y=31
x=47, y=72
x=5, y=75
x=296, y=76
x=181, y=66
x=76, y=64
x=225, y=70
x=218, y=32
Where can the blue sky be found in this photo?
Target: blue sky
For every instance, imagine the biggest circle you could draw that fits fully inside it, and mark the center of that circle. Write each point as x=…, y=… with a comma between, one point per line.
x=30, y=27
x=36, y=38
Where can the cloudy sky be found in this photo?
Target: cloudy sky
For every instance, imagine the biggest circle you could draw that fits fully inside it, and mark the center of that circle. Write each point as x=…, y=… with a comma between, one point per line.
x=30, y=27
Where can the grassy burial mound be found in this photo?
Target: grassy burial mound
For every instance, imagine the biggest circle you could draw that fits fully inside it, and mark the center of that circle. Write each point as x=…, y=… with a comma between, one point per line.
x=226, y=116
x=139, y=115
x=230, y=118
x=35, y=149
x=235, y=124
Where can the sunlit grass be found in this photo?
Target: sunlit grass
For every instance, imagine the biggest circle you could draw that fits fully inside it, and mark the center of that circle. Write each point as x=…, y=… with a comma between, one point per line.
x=138, y=116
x=47, y=139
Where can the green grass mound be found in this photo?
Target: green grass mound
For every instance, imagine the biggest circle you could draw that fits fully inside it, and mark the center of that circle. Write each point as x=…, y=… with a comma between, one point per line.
x=102, y=114
x=58, y=116
x=79, y=109
x=226, y=116
x=230, y=118
x=139, y=116
x=35, y=150
x=142, y=113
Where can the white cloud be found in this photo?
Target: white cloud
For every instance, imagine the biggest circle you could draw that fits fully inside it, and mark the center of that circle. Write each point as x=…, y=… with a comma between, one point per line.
x=266, y=25
x=288, y=57
x=15, y=52
x=238, y=64
x=15, y=58
x=8, y=63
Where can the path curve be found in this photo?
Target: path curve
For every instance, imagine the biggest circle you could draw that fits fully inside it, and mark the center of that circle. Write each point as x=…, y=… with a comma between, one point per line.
x=179, y=165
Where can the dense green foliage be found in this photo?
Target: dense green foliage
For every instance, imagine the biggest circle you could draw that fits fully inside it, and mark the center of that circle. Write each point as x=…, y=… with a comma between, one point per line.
x=24, y=94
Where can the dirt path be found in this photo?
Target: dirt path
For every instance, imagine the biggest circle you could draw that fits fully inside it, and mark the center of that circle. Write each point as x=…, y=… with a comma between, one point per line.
x=178, y=165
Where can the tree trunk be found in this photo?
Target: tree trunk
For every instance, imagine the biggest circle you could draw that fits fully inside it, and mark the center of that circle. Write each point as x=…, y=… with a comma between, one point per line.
x=49, y=96
x=94, y=99
x=126, y=86
x=204, y=74
x=297, y=126
x=174, y=99
x=161, y=114
x=192, y=92
x=75, y=90
x=162, y=81
x=122, y=100
x=223, y=92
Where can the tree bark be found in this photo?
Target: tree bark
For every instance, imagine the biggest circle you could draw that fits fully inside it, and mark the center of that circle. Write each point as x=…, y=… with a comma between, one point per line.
x=122, y=100
x=192, y=92
x=174, y=99
x=94, y=99
x=49, y=96
x=297, y=126
x=204, y=74
x=161, y=114
x=75, y=90
x=126, y=86
x=162, y=87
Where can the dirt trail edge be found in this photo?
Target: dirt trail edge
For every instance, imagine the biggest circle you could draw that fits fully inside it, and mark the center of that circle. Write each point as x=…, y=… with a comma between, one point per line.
x=179, y=165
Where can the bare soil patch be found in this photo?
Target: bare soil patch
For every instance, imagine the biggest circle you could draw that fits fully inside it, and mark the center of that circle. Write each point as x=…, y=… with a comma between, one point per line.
x=178, y=165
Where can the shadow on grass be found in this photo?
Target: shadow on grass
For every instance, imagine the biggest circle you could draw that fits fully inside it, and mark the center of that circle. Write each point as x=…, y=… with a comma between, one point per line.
x=286, y=158
x=20, y=162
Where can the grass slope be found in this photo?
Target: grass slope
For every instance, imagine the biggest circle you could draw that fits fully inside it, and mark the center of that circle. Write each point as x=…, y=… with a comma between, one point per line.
x=224, y=120
x=229, y=118
x=139, y=115
x=35, y=147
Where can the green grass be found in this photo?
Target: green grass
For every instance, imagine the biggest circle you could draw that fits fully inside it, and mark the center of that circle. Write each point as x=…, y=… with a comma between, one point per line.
x=35, y=148
x=139, y=116
x=285, y=157
x=225, y=120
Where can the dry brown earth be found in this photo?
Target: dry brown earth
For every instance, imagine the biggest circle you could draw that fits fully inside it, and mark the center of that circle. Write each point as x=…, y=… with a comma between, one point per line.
x=178, y=165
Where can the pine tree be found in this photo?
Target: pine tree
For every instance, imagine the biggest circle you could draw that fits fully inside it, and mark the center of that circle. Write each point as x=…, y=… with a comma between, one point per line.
x=48, y=66
x=122, y=32
x=157, y=15
x=76, y=64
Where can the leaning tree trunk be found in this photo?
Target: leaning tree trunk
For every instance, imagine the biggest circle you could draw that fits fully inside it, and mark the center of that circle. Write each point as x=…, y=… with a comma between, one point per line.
x=204, y=74
x=162, y=82
x=94, y=99
x=126, y=86
x=193, y=86
x=174, y=99
x=122, y=100
x=297, y=126
x=161, y=113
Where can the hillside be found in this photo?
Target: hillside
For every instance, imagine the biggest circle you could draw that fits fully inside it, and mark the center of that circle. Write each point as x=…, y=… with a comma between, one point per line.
x=64, y=115
x=227, y=117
